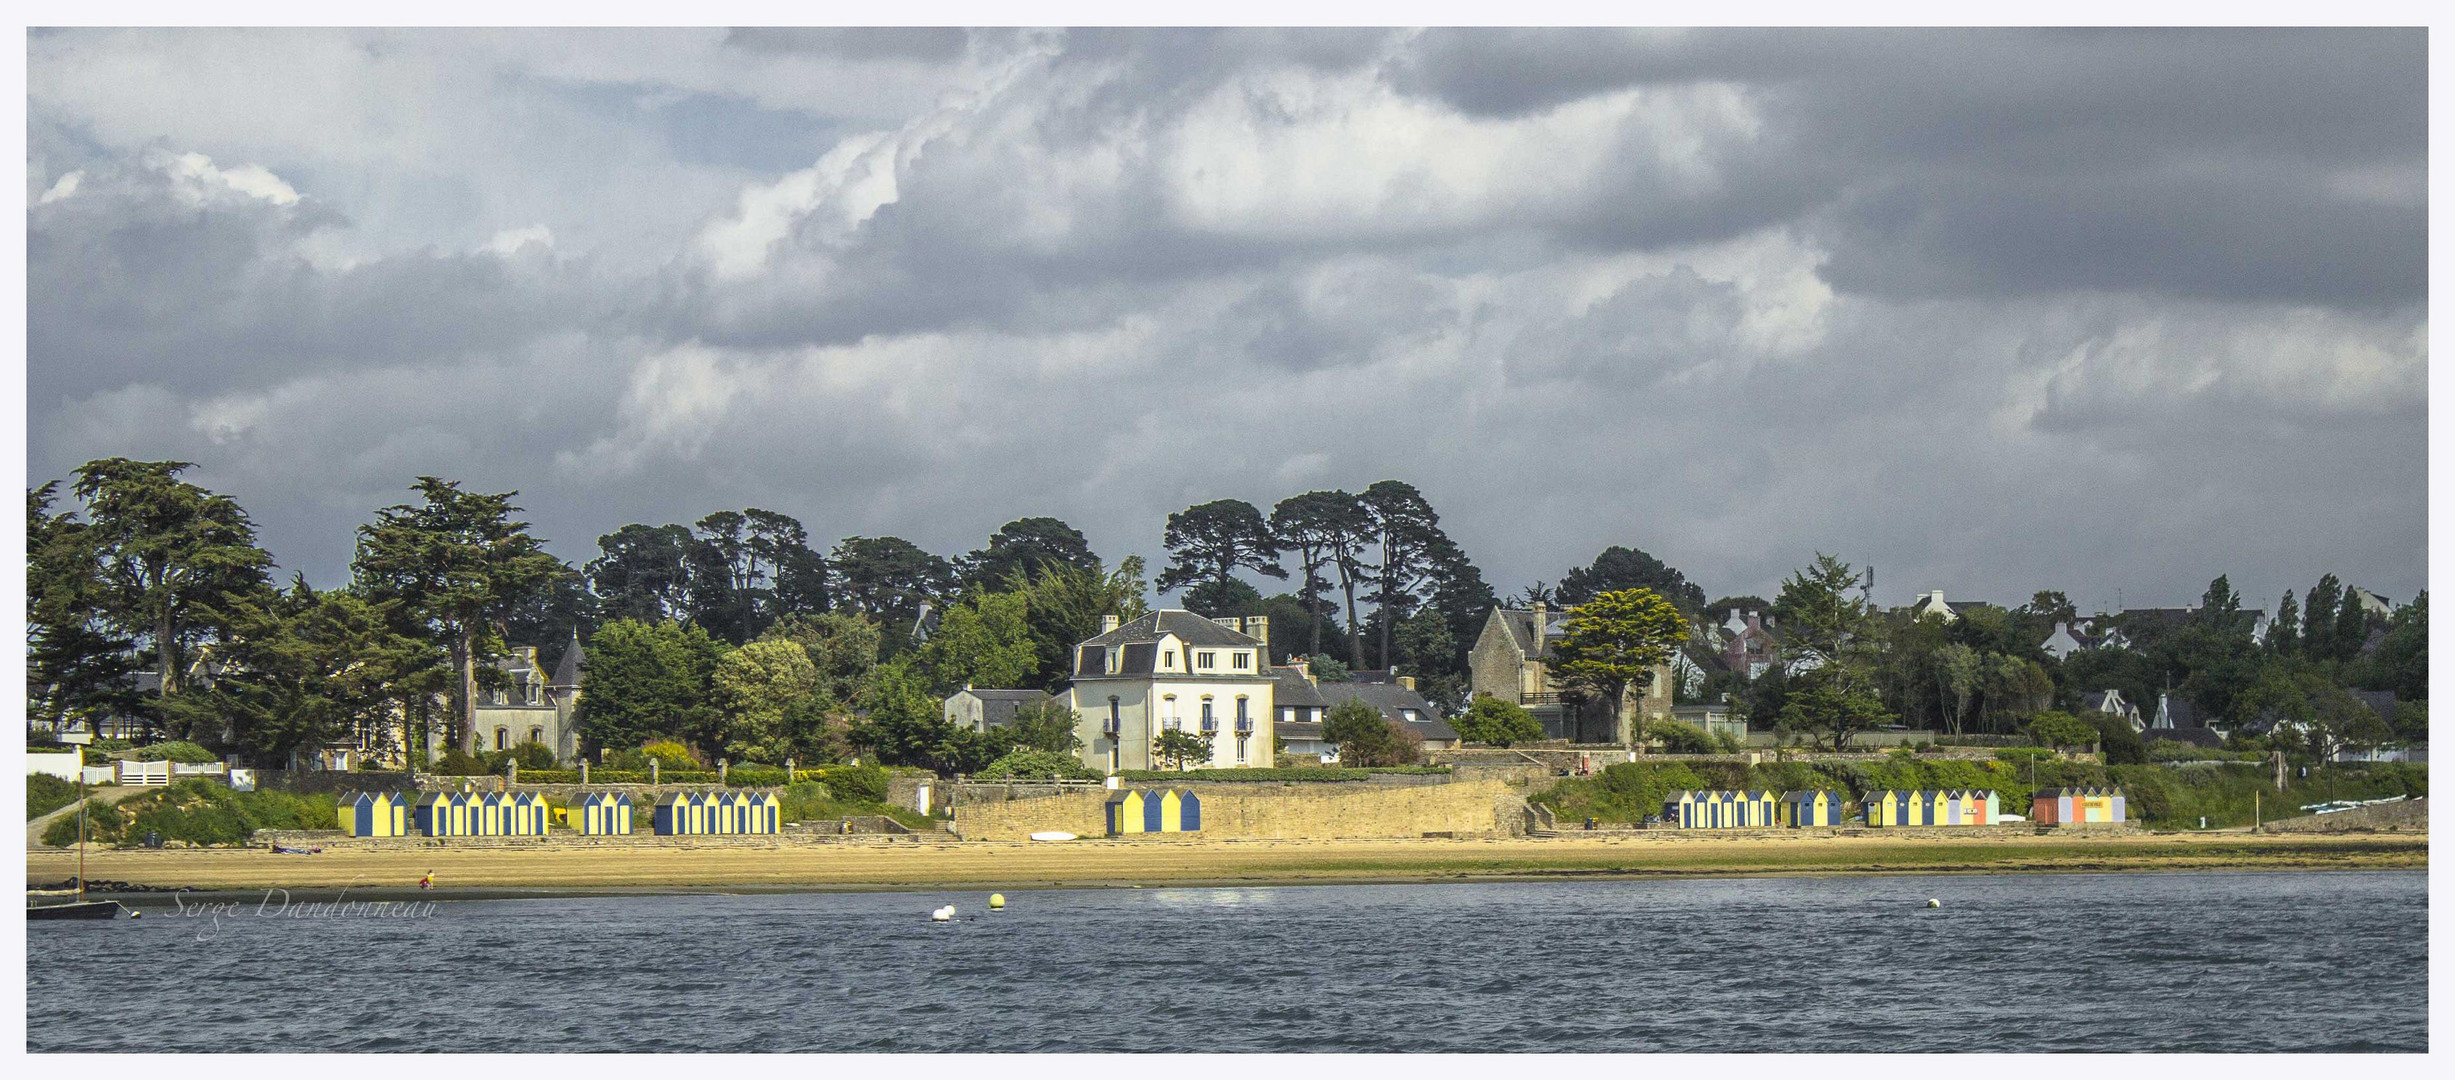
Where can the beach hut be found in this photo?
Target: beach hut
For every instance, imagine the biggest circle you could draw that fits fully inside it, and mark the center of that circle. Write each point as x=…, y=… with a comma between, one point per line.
x=681, y=813
x=1892, y=808
x=1960, y=807
x=2076, y=806
x=446, y=813
x=1756, y=809
x=1125, y=812
x=487, y=814
x=755, y=813
x=374, y=814
x=603, y=813
x=1162, y=810
x=1801, y=809
x=526, y=814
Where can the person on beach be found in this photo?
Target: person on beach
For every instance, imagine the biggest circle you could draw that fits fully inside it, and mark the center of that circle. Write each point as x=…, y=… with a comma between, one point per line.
x=427, y=882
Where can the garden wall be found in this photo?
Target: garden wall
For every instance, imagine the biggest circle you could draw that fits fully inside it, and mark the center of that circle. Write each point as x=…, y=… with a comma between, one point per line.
x=1277, y=811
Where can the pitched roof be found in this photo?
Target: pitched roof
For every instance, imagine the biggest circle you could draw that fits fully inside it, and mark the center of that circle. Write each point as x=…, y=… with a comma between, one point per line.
x=1190, y=628
x=1520, y=622
x=1294, y=690
x=1391, y=698
x=1299, y=730
x=2190, y=736
x=567, y=673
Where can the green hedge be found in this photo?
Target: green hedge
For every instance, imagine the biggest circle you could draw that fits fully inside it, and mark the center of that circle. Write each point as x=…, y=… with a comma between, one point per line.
x=186, y=753
x=1329, y=775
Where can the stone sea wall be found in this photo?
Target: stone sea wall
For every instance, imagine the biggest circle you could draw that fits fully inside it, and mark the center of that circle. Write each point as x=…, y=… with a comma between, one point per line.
x=1277, y=811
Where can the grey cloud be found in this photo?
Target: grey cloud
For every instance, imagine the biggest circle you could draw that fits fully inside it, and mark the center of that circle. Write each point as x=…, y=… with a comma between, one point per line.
x=931, y=43
x=2107, y=311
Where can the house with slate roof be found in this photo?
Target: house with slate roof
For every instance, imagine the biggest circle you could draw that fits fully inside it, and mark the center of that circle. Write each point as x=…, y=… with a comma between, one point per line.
x=1511, y=661
x=1175, y=671
x=529, y=706
x=975, y=709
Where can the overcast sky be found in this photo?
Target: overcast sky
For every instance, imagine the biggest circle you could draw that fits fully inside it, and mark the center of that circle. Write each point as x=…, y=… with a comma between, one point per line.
x=2109, y=312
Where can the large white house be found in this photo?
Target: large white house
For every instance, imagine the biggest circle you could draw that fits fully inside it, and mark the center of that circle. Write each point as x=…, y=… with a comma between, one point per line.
x=1174, y=670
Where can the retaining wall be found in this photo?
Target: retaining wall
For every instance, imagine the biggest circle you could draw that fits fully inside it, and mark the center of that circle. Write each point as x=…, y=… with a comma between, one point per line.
x=2411, y=815
x=1277, y=811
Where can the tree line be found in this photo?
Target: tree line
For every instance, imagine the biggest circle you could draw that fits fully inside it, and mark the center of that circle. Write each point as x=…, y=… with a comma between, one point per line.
x=736, y=634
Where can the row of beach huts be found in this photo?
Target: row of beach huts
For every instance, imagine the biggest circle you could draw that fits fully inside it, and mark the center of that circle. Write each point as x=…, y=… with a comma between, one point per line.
x=1888, y=809
x=596, y=813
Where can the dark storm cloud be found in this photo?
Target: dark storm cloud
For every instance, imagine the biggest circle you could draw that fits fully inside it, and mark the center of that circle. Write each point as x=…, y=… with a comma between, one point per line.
x=928, y=43
x=1994, y=310
x=2188, y=162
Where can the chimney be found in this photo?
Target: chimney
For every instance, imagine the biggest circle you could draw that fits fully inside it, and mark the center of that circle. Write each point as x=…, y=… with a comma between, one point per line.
x=1303, y=666
x=1107, y=623
x=1257, y=627
x=1407, y=681
x=1541, y=611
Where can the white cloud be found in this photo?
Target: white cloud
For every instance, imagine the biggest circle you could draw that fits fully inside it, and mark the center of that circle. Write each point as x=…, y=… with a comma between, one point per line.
x=63, y=188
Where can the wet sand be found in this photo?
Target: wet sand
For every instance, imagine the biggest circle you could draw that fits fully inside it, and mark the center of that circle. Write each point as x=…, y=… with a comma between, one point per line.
x=898, y=865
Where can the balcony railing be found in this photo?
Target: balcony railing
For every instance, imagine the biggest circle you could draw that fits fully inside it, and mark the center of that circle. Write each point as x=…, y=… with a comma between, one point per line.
x=1550, y=698
x=1244, y=727
x=1210, y=727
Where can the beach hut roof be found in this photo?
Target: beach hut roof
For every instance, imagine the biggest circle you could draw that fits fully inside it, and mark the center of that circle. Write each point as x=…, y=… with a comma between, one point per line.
x=1119, y=795
x=673, y=798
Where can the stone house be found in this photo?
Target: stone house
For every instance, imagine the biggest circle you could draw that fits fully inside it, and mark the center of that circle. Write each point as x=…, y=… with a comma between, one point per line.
x=1511, y=661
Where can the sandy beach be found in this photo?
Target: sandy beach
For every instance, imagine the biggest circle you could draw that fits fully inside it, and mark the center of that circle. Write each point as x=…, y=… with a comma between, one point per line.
x=896, y=865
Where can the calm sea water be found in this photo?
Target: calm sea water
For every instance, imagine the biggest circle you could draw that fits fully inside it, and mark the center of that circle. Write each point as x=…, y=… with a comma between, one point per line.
x=2153, y=962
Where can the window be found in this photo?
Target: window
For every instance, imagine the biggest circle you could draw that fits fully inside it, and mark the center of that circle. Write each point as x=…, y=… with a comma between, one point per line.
x=537, y=734
x=1168, y=659
x=1244, y=660
x=1206, y=660
x=1244, y=718
x=1168, y=706
x=1209, y=723
x=1241, y=740
x=1407, y=714
x=1113, y=720
x=502, y=739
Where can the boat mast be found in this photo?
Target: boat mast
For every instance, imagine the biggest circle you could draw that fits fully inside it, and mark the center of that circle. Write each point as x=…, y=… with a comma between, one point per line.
x=80, y=828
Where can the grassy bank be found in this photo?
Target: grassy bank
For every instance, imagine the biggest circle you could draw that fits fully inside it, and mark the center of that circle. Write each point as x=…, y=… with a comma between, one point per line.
x=45, y=794
x=2160, y=796
x=194, y=812
x=895, y=865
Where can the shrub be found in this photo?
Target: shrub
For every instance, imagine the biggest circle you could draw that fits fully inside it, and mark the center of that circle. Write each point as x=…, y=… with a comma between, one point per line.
x=92, y=756
x=457, y=762
x=1493, y=722
x=754, y=776
x=1679, y=738
x=186, y=753
x=854, y=783
x=1029, y=764
x=46, y=793
x=2053, y=728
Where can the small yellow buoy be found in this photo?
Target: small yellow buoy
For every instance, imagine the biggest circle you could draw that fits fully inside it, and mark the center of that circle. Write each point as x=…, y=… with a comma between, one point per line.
x=1932, y=902
x=997, y=901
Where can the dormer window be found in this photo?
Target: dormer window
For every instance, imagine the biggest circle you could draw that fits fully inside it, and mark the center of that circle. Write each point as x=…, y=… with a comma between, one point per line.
x=1206, y=660
x=1244, y=661
x=1167, y=660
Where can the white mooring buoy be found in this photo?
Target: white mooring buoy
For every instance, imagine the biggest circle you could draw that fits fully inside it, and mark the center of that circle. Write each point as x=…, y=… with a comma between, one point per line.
x=944, y=914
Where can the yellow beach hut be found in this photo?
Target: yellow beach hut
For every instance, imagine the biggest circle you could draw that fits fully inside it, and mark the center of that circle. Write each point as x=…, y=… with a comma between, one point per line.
x=603, y=813
x=446, y=813
x=526, y=814
x=1802, y=809
x=378, y=813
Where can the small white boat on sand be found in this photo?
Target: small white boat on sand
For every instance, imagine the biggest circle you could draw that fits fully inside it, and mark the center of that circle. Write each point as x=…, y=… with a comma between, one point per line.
x=1053, y=835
